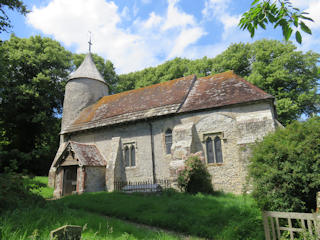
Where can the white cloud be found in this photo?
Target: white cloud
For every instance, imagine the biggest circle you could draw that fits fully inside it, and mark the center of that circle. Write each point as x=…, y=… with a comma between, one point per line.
x=218, y=9
x=152, y=21
x=177, y=18
x=185, y=38
x=141, y=44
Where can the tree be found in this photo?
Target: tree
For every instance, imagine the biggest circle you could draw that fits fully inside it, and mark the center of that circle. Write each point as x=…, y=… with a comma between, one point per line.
x=278, y=13
x=106, y=68
x=289, y=75
x=279, y=69
x=33, y=75
x=17, y=5
x=285, y=168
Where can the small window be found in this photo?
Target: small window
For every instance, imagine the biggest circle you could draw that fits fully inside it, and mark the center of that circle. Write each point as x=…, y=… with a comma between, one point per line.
x=209, y=148
x=129, y=155
x=132, y=156
x=126, y=156
x=214, y=150
x=168, y=140
x=217, y=148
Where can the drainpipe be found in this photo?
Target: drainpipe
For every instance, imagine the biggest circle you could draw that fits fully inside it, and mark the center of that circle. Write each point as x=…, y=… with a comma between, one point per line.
x=152, y=154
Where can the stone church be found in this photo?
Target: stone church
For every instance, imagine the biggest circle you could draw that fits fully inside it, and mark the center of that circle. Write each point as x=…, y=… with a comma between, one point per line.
x=147, y=133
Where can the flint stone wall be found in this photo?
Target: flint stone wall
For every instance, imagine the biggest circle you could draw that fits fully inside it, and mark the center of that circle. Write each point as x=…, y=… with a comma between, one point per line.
x=238, y=127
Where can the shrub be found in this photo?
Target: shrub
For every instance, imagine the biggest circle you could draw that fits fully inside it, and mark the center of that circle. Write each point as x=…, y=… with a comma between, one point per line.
x=194, y=177
x=15, y=192
x=285, y=168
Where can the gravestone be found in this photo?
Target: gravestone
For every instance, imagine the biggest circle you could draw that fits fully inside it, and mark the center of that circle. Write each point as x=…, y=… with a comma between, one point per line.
x=67, y=232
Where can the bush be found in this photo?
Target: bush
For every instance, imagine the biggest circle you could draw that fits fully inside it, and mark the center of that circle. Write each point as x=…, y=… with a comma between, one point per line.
x=15, y=192
x=285, y=168
x=194, y=177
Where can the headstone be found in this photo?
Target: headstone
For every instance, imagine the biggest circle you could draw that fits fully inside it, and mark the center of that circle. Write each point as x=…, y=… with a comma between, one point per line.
x=67, y=232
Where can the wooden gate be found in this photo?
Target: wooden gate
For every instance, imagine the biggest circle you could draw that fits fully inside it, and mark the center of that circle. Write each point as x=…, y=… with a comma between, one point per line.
x=275, y=223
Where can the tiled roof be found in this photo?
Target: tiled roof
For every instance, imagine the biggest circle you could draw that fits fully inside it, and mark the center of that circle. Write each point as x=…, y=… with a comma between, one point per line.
x=220, y=90
x=87, y=155
x=176, y=96
x=87, y=69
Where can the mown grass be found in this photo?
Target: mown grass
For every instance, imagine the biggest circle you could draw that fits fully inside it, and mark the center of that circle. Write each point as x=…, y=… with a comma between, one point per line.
x=223, y=216
x=36, y=223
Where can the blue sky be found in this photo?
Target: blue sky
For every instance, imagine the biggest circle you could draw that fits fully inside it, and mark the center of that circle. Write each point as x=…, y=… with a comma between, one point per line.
x=135, y=34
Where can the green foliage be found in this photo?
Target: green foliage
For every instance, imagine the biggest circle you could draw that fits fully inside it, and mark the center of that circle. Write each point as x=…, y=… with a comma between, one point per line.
x=279, y=69
x=17, y=5
x=285, y=168
x=33, y=72
x=39, y=185
x=220, y=216
x=15, y=192
x=105, y=67
x=278, y=13
x=289, y=75
x=194, y=177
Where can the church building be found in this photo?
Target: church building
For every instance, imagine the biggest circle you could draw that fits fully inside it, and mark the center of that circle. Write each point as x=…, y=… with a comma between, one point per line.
x=147, y=133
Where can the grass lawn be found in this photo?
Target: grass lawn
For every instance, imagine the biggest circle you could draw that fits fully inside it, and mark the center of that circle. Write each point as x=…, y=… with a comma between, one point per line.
x=43, y=189
x=223, y=216
x=36, y=223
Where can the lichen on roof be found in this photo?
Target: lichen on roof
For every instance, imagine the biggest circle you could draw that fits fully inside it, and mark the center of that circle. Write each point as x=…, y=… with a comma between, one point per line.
x=87, y=69
x=181, y=95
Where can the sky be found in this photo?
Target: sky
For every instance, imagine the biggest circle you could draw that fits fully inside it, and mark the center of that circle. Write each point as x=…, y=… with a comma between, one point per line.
x=135, y=34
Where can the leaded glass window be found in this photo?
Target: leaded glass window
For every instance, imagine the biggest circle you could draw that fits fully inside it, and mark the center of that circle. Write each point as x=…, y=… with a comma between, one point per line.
x=126, y=156
x=218, y=150
x=133, y=156
x=209, y=147
x=168, y=140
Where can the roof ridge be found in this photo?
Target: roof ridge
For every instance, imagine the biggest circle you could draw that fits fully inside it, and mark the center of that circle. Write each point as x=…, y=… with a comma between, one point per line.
x=189, y=90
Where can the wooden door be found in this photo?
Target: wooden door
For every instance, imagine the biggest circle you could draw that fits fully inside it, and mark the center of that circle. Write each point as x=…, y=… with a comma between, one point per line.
x=69, y=180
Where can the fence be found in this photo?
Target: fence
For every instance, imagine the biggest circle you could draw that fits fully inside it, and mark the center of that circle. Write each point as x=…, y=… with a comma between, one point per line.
x=293, y=223
x=143, y=185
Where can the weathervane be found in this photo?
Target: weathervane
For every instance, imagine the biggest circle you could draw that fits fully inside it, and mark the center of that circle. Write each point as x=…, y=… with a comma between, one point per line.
x=90, y=43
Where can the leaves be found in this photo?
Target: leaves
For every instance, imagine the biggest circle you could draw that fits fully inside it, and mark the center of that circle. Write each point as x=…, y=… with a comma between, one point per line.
x=275, y=67
x=285, y=168
x=298, y=37
x=279, y=13
x=33, y=75
x=305, y=28
x=17, y=5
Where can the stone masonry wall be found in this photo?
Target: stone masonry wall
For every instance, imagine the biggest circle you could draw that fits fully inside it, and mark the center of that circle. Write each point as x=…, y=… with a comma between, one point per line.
x=237, y=126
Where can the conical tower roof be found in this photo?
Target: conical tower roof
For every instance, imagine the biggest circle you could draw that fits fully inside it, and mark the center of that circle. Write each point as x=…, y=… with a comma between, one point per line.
x=87, y=69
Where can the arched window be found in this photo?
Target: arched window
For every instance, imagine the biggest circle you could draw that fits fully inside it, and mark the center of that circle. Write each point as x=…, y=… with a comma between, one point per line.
x=133, y=156
x=126, y=156
x=168, y=140
x=209, y=148
x=218, y=150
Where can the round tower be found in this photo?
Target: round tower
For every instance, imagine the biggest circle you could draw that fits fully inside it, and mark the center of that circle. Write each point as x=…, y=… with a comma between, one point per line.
x=85, y=86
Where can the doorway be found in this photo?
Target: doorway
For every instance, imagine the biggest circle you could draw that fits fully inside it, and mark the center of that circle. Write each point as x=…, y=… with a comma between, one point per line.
x=69, y=180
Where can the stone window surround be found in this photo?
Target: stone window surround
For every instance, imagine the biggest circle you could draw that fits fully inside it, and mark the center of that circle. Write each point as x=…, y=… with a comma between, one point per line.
x=129, y=144
x=213, y=135
x=164, y=146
